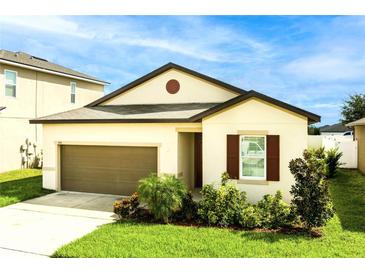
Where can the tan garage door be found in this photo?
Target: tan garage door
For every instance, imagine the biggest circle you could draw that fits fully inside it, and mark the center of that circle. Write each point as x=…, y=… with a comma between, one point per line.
x=105, y=169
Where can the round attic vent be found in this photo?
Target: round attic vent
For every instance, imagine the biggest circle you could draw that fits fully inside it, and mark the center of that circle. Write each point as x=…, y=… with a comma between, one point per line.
x=172, y=86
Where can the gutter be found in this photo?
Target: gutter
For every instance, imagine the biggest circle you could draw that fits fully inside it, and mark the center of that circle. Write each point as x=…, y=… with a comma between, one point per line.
x=103, y=83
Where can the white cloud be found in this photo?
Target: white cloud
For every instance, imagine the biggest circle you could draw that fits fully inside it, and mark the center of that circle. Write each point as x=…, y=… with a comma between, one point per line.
x=327, y=67
x=52, y=24
x=326, y=105
x=195, y=38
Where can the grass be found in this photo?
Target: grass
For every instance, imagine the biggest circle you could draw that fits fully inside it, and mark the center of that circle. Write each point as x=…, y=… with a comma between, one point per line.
x=344, y=235
x=20, y=185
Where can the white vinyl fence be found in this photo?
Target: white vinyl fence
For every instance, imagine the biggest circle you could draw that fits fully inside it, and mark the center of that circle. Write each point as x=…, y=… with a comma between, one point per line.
x=346, y=145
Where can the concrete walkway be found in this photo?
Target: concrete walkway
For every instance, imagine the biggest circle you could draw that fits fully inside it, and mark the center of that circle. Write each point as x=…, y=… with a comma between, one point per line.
x=38, y=227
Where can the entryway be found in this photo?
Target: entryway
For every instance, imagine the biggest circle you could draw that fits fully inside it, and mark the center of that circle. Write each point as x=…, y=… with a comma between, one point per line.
x=190, y=159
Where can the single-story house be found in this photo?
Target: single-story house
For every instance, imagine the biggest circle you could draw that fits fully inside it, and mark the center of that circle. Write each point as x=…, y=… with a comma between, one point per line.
x=178, y=121
x=359, y=132
x=335, y=129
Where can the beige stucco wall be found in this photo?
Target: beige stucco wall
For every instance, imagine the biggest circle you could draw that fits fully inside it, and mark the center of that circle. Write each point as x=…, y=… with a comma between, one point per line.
x=185, y=158
x=37, y=94
x=360, y=137
x=176, y=149
x=164, y=136
x=253, y=115
x=192, y=90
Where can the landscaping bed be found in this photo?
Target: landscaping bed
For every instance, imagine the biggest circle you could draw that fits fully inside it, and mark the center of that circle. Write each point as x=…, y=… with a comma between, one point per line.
x=344, y=235
x=20, y=185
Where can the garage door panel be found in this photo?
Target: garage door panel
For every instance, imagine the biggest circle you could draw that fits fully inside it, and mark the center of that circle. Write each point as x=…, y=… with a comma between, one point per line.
x=105, y=169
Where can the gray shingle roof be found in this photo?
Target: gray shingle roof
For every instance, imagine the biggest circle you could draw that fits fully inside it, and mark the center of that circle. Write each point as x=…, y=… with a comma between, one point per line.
x=37, y=62
x=334, y=128
x=156, y=113
x=129, y=113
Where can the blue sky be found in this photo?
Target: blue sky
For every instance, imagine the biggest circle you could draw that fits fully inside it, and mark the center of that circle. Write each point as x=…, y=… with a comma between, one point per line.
x=313, y=62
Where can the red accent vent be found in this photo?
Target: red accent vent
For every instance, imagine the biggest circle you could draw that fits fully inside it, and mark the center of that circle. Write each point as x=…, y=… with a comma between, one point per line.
x=172, y=86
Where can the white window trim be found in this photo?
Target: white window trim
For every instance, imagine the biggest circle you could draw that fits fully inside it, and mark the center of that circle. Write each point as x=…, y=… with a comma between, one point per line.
x=16, y=81
x=73, y=83
x=240, y=160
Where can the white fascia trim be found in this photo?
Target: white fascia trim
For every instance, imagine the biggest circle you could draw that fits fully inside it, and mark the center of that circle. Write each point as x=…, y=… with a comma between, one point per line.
x=52, y=72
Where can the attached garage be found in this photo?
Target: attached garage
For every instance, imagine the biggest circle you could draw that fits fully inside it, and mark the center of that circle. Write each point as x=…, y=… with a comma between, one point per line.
x=105, y=169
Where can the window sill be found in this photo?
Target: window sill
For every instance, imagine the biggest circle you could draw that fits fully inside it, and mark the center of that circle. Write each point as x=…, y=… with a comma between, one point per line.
x=252, y=182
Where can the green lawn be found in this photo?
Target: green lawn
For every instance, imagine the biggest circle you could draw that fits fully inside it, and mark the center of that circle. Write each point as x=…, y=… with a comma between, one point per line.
x=20, y=185
x=344, y=235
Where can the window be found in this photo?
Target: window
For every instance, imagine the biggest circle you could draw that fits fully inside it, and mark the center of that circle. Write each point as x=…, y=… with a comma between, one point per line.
x=253, y=157
x=10, y=83
x=73, y=92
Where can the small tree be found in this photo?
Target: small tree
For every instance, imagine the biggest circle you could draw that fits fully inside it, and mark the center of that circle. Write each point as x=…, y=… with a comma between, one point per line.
x=162, y=194
x=333, y=157
x=353, y=109
x=311, y=199
x=313, y=130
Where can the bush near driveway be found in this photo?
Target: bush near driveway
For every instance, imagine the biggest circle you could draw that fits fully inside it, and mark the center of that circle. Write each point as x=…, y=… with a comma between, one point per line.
x=162, y=194
x=127, y=207
x=20, y=185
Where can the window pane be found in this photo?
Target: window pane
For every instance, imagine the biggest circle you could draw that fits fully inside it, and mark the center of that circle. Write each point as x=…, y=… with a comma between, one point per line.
x=253, y=147
x=253, y=167
x=10, y=77
x=73, y=88
x=72, y=98
x=10, y=90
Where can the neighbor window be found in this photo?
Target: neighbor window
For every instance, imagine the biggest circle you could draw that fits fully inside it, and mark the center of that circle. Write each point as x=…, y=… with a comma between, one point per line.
x=10, y=83
x=253, y=157
x=73, y=92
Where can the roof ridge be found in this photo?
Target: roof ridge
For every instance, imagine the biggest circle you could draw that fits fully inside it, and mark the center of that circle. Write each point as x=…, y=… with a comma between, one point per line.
x=161, y=70
x=159, y=104
x=29, y=60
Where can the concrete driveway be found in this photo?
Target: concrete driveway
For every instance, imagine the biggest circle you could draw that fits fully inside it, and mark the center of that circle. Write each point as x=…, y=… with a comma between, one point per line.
x=42, y=225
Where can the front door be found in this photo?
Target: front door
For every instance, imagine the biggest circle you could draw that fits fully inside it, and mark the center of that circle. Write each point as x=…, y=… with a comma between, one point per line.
x=198, y=160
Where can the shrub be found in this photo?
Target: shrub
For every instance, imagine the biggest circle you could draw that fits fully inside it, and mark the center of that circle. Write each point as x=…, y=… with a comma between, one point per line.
x=225, y=178
x=311, y=199
x=163, y=195
x=316, y=158
x=333, y=157
x=274, y=212
x=221, y=206
x=327, y=162
x=188, y=210
x=249, y=217
x=126, y=208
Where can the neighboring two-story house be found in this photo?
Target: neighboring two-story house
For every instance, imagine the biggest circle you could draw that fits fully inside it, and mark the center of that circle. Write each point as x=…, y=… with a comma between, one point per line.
x=32, y=87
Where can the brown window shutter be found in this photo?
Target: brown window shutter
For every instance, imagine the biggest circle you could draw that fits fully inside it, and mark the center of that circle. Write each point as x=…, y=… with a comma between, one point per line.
x=233, y=152
x=273, y=158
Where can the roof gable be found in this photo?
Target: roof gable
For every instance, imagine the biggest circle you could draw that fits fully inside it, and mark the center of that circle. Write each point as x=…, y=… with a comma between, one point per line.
x=312, y=118
x=132, y=87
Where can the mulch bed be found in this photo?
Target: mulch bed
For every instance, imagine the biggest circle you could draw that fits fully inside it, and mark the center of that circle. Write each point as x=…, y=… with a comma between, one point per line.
x=144, y=216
